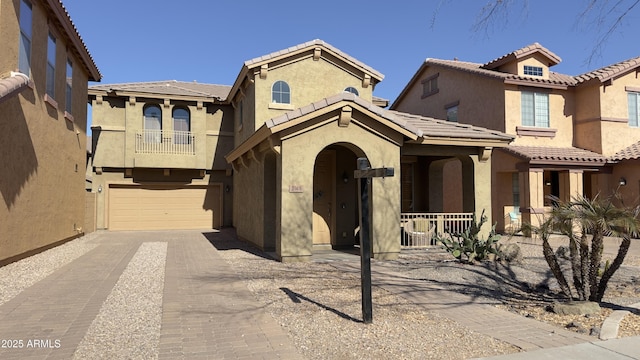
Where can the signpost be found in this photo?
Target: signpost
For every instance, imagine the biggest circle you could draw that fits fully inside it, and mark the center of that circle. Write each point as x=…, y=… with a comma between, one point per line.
x=365, y=173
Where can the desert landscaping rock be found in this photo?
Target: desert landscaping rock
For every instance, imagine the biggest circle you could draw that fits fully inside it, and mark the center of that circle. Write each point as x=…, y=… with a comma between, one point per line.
x=576, y=308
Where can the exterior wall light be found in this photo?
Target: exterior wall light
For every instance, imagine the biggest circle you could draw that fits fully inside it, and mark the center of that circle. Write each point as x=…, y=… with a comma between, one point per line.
x=227, y=188
x=622, y=181
x=100, y=188
x=345, y=177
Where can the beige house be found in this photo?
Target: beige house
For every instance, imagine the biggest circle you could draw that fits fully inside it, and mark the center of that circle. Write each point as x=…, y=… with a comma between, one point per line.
x=573, y=134
x=274, y=155
x=44, y=71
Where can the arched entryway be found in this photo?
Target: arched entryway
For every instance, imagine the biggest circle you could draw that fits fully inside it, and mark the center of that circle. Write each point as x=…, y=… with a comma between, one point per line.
x=335, y=193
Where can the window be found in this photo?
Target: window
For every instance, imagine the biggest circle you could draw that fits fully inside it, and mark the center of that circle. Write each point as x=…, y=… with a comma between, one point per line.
x=24, y=61
x=69, y=87
x=634, y=108
x=280, y=93
x=515, y=191
x=181, y=126
x=533, y=70
x=452, y=113
x=430, y=85
x=352, y=90
x=51, y=66
x=152, y=124
x=535, y=109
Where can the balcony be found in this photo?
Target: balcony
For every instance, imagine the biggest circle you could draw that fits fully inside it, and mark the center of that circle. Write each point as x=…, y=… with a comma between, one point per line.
x=166, y=149
x=167, y=142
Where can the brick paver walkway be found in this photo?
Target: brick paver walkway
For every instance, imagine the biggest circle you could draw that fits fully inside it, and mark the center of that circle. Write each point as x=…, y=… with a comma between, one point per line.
x=527, y=334
x=207, y=310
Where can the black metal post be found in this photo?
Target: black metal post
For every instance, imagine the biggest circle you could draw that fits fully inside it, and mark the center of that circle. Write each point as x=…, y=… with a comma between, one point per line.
x=365, y=242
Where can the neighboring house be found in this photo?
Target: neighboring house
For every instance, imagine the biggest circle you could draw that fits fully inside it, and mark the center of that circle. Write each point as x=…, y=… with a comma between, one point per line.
x=574, y=135
x=44, y=71
x=158, y=155
x=290, y=128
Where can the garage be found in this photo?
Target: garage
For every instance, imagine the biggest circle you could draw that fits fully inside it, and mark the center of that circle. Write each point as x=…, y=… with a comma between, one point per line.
x=164, y=207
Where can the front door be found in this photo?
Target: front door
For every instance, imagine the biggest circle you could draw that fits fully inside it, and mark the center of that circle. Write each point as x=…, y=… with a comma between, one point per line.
x=323, y=197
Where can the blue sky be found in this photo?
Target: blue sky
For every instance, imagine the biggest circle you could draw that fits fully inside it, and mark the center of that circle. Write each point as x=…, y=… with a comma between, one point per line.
x=207, y=41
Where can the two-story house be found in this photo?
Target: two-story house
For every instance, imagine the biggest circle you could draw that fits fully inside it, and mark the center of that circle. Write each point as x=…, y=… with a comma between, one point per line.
x=569, y=130
x=44, y=71
x=274, y=154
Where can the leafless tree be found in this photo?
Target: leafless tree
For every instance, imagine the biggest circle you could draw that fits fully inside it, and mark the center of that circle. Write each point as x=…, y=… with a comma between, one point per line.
x=603, y=17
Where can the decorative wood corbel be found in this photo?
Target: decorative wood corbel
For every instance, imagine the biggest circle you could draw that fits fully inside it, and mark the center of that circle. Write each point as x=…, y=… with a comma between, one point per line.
x=132, y=100
x=167, y=103
x=263, y=71
x=366, y=81
x=316, y=53
x=484, y=153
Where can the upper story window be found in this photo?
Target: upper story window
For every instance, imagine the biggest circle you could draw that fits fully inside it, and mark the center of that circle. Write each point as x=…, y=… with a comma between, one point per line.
x=152, y=124
x=352, y=90
x=181, y=126
x=69, y=87
x=430, y=85
x=24, y=61
x=280, y=93
x=535, y=109
x=51, y=66
x=634, y=108
x=533, y=70
x=452, y=113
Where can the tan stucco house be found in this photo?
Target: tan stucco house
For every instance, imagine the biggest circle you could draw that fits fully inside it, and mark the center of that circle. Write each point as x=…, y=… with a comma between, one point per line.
x=274, y=155
x=44, y=71
x=574, y=135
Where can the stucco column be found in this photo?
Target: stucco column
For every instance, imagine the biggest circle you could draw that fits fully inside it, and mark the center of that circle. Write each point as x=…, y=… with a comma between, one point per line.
x=481, y=189
x=571, y=184
x=532, y=194
x=436, y=173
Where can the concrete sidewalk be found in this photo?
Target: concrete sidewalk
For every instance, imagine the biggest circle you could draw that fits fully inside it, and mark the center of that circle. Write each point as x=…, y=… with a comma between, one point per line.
x=625, y=348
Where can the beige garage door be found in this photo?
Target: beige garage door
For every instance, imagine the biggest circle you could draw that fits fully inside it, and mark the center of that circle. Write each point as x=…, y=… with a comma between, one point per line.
x=163, y=208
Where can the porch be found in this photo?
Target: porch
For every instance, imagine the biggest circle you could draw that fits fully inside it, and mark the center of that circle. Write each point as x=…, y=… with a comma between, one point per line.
x=420, y=229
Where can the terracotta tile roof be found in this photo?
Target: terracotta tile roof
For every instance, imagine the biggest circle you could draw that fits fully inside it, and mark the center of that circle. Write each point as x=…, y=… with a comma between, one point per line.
x=539, y=154
x=520, y=53
x=476, y=68
x=434, y=128
x=12, y=85
x=419, y=125
x=610, y=71
x=312, y=43
x=169, y=87
x=630, y=153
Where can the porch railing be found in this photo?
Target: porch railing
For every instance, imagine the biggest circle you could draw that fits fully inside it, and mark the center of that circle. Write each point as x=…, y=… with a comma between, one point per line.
x=420, y=229
x=165, y=142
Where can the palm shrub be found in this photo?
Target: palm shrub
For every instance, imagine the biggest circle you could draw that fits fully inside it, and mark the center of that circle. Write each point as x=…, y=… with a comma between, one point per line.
x=467, y=246
x=586, y=222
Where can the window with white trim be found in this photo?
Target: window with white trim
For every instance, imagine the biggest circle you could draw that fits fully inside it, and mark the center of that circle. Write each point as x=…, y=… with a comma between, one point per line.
x=280, y=93
x=533, y=70
x=152, y=124
x=535, y=109
x=352, y=90
x=181, y=126
x=634, y=108
x=51, y=66
x=26, y=19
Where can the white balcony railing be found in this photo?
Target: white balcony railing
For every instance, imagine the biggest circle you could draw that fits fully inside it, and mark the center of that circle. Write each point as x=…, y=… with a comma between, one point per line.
x=420, y=229
x=165, y=142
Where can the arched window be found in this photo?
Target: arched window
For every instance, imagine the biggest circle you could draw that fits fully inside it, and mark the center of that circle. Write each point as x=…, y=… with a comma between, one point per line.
x=181, y=126
x=280, y=93
x=352, y=90
x=152, y=124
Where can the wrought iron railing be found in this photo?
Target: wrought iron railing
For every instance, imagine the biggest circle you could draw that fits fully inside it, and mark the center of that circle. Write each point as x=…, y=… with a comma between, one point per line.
x=165, y=142
x=420, y=229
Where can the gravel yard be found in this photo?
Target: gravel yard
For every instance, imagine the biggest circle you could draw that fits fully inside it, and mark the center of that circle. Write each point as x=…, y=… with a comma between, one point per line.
x=320, y=305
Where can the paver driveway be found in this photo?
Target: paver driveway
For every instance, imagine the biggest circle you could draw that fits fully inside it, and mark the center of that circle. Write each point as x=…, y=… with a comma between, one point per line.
x=103, y=303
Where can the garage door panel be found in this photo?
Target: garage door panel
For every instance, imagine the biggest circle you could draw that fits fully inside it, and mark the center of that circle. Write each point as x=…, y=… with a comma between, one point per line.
x=147, y=208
